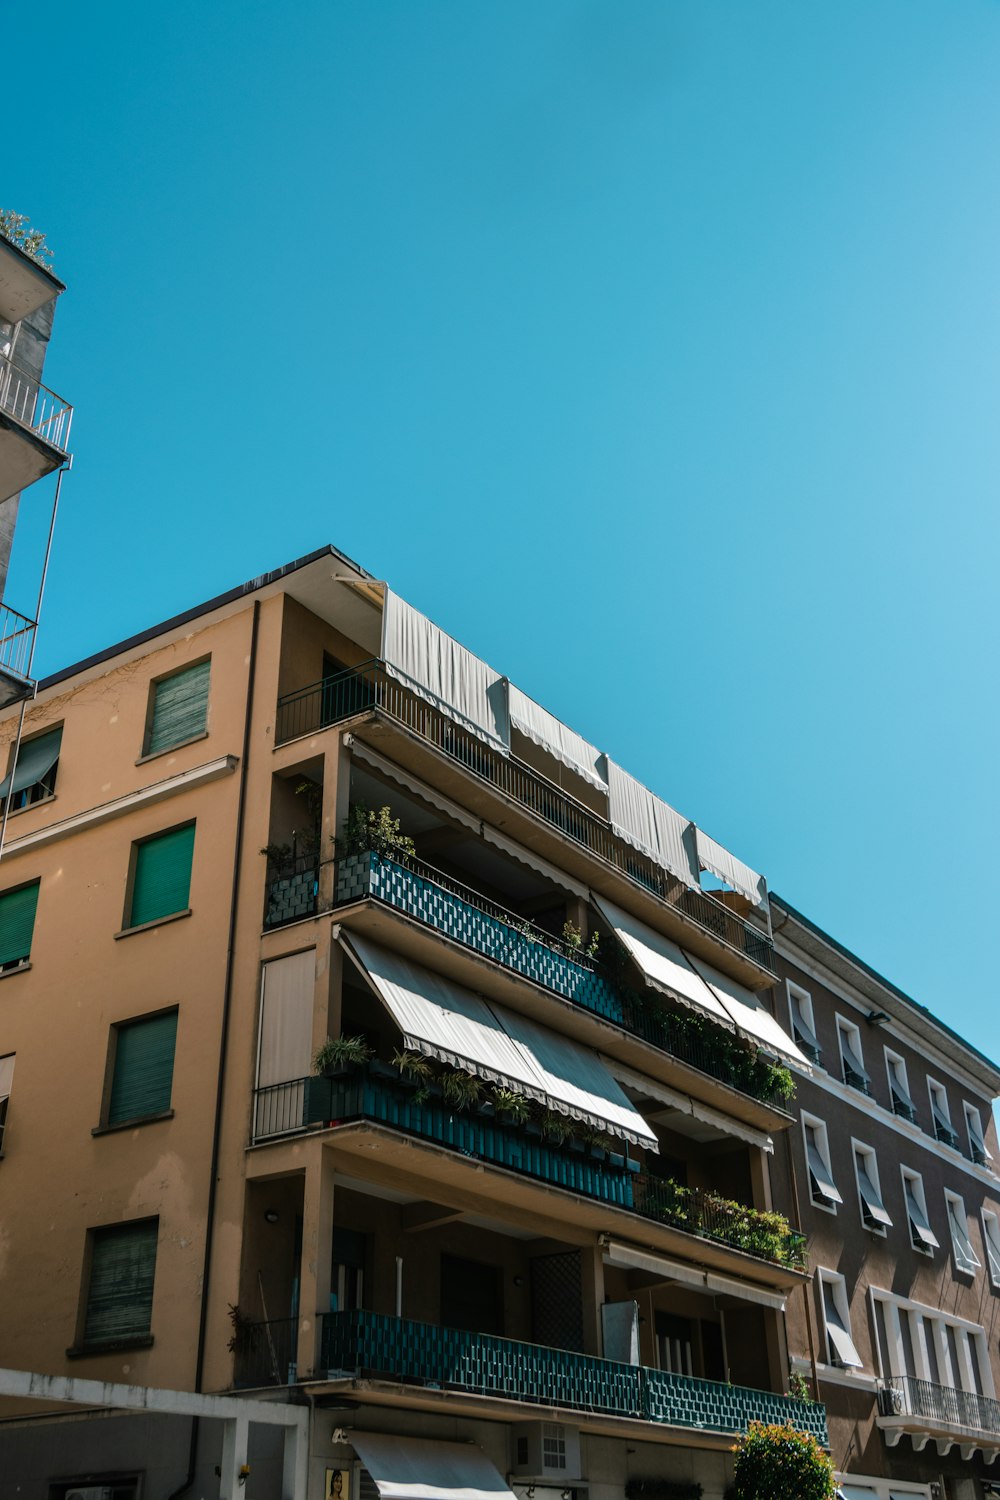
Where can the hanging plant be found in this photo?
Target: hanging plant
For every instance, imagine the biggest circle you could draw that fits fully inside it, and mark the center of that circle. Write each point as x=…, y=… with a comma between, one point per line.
x=460, y=1089
x=341, y=1052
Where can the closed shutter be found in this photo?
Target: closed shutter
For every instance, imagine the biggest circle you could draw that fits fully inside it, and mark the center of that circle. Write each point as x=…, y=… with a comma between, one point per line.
x=180, y=708
x=144, y=1068
x=17, y=923
x=120, y=1296
x=162, y=881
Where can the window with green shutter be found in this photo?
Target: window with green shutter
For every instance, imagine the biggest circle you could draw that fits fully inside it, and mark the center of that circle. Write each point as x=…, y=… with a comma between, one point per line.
x=120, y=1291
x=161, y=878
x=143, y=1068
x=179, y=708
x=17, y=923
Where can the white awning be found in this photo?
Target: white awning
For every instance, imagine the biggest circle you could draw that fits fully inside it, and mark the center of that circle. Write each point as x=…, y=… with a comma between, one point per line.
x=750, y=1016
x=730, y=870
x=406, y=1468
x=631, y=1257
x=838, y=1332
x=976, y=1134
x=445, y=1020
x=651, y=1088
x=548, y=732
x=652, y=826
x=665, y=966
x=433, y=664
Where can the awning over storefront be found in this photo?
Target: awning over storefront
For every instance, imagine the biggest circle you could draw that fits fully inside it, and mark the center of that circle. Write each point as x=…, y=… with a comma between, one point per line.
x=651, y=825
x=445, y=1020
x=730, y=870
x=405, y=1468
x=665, y=966
x=548, y=732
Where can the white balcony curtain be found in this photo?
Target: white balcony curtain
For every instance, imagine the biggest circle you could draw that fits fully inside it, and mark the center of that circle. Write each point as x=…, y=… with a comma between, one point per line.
x=430, y=662
x=286, y=1013
x=730, y=870
x=548, y=732
x=652, y=826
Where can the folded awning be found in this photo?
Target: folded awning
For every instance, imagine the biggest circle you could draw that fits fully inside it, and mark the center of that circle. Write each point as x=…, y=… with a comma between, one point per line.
x=976, y=1135
x=749, y=1015
x=405, y=1468
x=632, y=1257
x=730, y=870
x=651, y=825
x=803, y=1031
x=665, y=966
x=919, y=1227
x=871, y=1199
x=822, y=1178
x=550, y=734
x=900, y=1095
x=838, y=1332
x=850, y=1053
x=34, y=762
x=445, y=1020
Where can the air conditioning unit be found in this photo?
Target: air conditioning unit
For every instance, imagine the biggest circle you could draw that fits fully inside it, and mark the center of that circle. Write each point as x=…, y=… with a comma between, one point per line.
x=546, y=1450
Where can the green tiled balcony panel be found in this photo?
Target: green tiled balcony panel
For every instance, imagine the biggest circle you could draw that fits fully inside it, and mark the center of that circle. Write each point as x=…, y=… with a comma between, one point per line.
x=290, y=897
x=413, y=890
x=376, y=1345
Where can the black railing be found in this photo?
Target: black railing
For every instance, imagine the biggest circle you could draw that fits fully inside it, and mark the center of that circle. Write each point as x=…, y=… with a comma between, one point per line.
x=265, y=1353
x=279, y=1108
x=370, y=685
x=856, y=1080
x=905, y=1396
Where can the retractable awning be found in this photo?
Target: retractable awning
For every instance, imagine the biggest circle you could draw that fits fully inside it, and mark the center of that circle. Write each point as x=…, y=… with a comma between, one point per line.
x=445, y=1020
x=405, y=1468
x=35, y=761
x=651, y=825
x=749, y=1015
x=919, y=1227
x=551, y=734
x=730, y=870
x=871, y=1199
x=633, y=1257
x=665, y=966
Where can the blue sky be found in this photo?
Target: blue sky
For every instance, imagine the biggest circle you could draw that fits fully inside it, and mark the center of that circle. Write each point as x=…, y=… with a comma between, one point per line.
x=651, y=348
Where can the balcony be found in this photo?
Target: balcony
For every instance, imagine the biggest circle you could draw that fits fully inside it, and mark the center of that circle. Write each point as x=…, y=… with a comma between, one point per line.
x=459, y=913
x=374, y=1346
x=17, y=633
x=949, y=1416
x=701, y=920
x=34, y=429
x=265, y=1353
x=376, y=1093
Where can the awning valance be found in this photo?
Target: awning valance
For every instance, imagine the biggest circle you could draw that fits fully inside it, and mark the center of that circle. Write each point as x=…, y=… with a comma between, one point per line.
x=749, y=1015
x=730, y=870
x=433, y=664
x=631, y=1257
x=652, y=826
x=34, y=762
x=665, y=966
x=445, y=1020
x=405, y=1468
x=545, y=730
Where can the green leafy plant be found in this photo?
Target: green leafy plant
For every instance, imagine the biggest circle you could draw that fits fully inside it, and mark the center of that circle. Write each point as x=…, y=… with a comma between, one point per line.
x=341, y=1051
x=798, y=1387
x=556, y=1127
x=460, y=1089
x=367, y=830
x=414, y=1065
x=596, y=1139
x=573, y=940
x=779, y=1463
x=17, y=231
x=511, y=1106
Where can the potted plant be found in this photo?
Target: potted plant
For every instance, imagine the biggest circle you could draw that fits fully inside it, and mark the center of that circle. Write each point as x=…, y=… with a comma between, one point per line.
x=511, y=1107
x=340, y=1055
x=460, y=1089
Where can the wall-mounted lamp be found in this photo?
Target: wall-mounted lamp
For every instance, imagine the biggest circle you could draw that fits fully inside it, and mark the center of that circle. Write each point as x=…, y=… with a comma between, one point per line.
x=877, y=1018
x=271, y=1215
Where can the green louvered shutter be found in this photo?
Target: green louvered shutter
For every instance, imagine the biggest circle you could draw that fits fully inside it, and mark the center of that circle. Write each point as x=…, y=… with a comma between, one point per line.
x=180, y=708
x=120, y=1295
x=17, y=923
x=144, y=1068
x=162, y=882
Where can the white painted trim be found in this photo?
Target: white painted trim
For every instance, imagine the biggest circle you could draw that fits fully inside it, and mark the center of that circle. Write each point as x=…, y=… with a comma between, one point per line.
x=146, y=796
x=823, y=1146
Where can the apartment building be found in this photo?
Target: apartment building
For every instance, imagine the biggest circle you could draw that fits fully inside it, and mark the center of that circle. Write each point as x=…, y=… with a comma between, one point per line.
x=516, y=1236
x=891, y=1171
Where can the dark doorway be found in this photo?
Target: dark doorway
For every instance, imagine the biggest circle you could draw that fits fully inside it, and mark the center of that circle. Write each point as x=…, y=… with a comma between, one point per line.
x=471, y=1295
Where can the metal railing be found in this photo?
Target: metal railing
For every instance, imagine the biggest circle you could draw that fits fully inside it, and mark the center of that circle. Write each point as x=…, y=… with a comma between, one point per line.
x=33, y=405
x=265, y=1353
x=766, y=1236
x=370, y=685
x=906, y=1396
x=376, y=1345
x=16, y=635
x=279, y=1108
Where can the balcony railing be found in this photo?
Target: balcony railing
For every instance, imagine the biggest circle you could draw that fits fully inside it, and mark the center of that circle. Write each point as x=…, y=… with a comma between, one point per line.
x=16, y=635
x=265, y=1353
x=461, y=913
x=33, y=405
x=292, y=891
x=905, y=1396
x=376, y=1092
x=374, y=1345
x=370, y=686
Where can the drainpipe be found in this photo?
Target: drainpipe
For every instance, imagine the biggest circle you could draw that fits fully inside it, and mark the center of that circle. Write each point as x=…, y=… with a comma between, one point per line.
x=199, y=1368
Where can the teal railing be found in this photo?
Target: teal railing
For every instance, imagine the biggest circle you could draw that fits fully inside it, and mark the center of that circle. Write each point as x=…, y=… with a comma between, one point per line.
x=373, y=1344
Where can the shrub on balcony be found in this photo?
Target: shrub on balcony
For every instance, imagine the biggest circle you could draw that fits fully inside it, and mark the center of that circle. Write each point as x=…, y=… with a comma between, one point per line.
x=367, y=830
x=341, y=1052
x=779, y=1463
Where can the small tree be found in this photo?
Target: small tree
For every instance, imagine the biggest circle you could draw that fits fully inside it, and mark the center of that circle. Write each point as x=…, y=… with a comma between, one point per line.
x=779, y=1463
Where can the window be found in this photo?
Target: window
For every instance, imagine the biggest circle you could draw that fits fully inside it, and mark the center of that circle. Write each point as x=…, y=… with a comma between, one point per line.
x=977, y=1142
x=991, y=1239
x=120, y=1286
x=966, y=1259
x=33, y=778
x=852, y=1062
x=941, y=1114
x=178, y=708
x=840, y=1348
x=801, y=1010
x=142, y=1067
x=873, y=1211
x=17, y=924
x=922, y=1236
x=6, y=1079
x=899, y=1093
x=822, y=1188
x=161, y=876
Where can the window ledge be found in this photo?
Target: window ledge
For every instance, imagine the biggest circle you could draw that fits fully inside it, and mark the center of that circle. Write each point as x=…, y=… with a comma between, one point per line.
x=175, y=916
x=16, y=812
x=169, y=749
x=163, y=1114
x=110, y=1346
x=20, y=969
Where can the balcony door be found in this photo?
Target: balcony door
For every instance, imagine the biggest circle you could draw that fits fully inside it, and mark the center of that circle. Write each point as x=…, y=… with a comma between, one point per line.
x=471, y=1295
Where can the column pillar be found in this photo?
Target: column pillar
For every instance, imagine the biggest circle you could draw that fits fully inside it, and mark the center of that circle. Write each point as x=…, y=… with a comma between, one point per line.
x=592, y=1288
x=235, y=1432
x=317, y=1248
